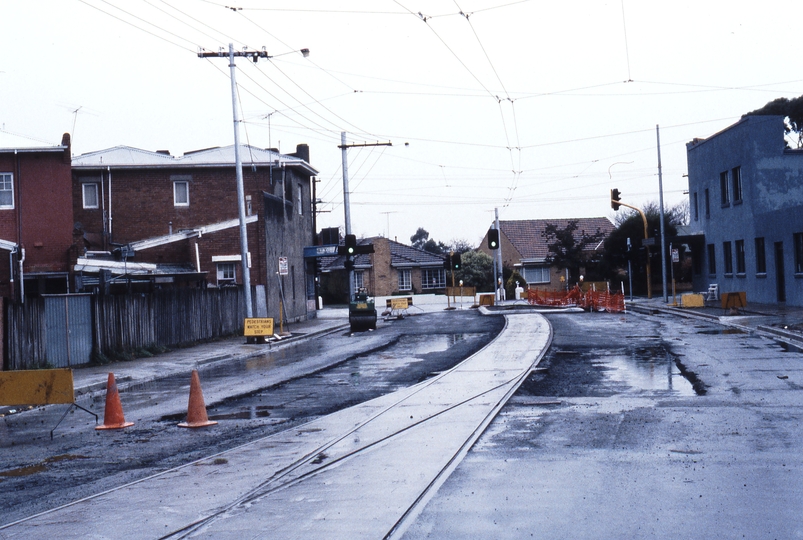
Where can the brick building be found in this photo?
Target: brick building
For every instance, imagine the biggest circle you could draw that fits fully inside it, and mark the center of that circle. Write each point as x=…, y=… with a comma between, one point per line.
x=392, y=269
x=36, y=218
x=525, y=247
x=169, y=220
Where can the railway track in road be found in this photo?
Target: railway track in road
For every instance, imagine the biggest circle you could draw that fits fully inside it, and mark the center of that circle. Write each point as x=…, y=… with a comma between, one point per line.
x=360, y=472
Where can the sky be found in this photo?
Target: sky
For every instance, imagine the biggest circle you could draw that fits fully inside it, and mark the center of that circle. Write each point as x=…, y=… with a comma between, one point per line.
x=528, y=108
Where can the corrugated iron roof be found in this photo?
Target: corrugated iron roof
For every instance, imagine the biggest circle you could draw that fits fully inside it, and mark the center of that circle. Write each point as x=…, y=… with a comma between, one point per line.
x=129, y=157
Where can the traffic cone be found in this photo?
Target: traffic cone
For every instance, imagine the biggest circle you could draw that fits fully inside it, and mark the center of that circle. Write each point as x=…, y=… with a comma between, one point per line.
x=196, y=410
x=113, y=417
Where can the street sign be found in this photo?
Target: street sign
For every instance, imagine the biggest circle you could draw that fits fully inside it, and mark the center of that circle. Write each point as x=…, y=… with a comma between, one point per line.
x=283, y=269
x=255, y=327
x=675, y=255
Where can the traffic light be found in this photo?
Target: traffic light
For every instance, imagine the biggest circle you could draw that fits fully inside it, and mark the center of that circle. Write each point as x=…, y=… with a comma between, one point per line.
x=351, y=243
x=493, y=238
x=615, y=198
x=348, y=264
x=456, y=261
x=351, y=246
x=447, y=262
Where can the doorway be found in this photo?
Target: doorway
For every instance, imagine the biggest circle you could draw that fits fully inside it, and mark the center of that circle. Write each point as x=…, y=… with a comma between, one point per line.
x=780, y=278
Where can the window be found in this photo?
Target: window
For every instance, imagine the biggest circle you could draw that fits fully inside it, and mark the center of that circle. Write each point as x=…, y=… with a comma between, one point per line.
x=6, y=190
x=695, y=208
x=433, y=278
x=712, y=259
x=740, y=263
x=405, y=283
x=727, y=255
x=359, y=279
x=300, y=201
x=723, y=187
x=761, y=258
x=707, y=205
x=536, y=274
x=736, y=175
x=226, y=273
x=798, y=241
x=90, y=194
x=181, y=190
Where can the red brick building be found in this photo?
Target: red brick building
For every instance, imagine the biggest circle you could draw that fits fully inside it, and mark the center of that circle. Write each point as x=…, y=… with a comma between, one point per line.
x=36, y=219
x=169, y=220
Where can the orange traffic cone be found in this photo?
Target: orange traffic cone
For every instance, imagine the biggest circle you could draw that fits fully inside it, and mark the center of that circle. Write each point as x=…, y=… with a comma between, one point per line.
x=113, y=417
x=196, y=410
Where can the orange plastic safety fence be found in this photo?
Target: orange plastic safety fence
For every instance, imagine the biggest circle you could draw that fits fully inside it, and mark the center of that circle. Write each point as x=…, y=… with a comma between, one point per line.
x=591, y=300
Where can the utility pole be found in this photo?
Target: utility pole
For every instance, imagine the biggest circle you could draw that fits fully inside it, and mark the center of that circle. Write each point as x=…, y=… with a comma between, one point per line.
x=239, y=166
x=661, y=204
x=498, y=262
x=346, y=195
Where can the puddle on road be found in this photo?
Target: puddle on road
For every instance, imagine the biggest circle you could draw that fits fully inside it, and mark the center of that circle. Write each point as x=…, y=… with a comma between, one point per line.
x=650, y=370
x=40, y=467
x=721, y=331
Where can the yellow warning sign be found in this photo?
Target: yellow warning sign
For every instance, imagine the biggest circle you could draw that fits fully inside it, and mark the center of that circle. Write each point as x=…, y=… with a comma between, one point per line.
x=398, y=303
x=36, y=387
x=261, y=326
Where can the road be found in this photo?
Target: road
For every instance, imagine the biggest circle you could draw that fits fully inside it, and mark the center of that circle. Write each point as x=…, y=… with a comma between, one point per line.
x=638, y=427
x=632, y=426
x=37, y=474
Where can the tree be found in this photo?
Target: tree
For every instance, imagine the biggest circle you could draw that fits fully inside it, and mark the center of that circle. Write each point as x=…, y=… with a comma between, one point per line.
x=421, y=240
x=476, y=271
x=569, y=250
x=792, y=109
x=630, y=225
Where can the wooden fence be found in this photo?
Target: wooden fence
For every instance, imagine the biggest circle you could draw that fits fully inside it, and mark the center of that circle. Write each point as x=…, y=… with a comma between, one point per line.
x=127, y=323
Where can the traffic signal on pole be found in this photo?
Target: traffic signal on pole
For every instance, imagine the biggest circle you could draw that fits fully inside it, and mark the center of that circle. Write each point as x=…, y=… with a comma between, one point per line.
x=456, y=261
x=447, y=262
x=351, y=246
x=615, y=198
x=493, y=238
x=348, y=264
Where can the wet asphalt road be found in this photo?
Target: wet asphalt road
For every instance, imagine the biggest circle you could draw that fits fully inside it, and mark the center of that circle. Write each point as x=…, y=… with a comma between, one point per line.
x=637, y=427
x=37, y=474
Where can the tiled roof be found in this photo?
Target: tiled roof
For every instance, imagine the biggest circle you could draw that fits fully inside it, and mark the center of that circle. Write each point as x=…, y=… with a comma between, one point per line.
x=402, y=255
x=527, y=235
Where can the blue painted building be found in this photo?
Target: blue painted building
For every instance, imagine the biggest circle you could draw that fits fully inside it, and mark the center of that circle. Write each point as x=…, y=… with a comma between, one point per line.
x=746, y=206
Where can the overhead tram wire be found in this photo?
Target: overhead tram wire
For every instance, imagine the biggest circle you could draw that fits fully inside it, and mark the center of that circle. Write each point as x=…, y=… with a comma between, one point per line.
x=192, y=50
x=214, y=38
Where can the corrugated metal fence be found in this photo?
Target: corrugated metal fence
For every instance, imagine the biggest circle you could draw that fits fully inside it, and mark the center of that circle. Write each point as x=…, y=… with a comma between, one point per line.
x=64, y=330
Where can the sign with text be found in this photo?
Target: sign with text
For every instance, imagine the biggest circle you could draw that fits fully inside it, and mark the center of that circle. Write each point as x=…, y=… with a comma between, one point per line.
x=262, y=326
x=283, y=270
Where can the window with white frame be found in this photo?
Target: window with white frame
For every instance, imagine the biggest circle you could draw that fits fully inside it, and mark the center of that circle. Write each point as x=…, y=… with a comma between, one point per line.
x=6, y=190
x=536, y=274
x=300, y=201
x=433, y=278
x=90, y=195
x=181, y=190
x=405, y=280
x=226, y=273
x=359, y=279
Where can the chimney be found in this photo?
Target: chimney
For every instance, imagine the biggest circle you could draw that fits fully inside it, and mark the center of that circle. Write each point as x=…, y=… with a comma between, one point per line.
x=302, y=151
x=65, y=142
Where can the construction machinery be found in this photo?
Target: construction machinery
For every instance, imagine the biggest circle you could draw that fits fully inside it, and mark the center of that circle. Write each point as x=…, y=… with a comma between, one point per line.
x=362, y=312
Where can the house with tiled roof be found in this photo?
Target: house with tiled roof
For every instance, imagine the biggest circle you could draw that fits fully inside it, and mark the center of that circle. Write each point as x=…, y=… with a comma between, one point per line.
x=393, y=268
x=524, y=246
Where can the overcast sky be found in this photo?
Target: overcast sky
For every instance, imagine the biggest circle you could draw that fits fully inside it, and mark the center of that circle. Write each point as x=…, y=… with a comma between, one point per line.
x=532, y=107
